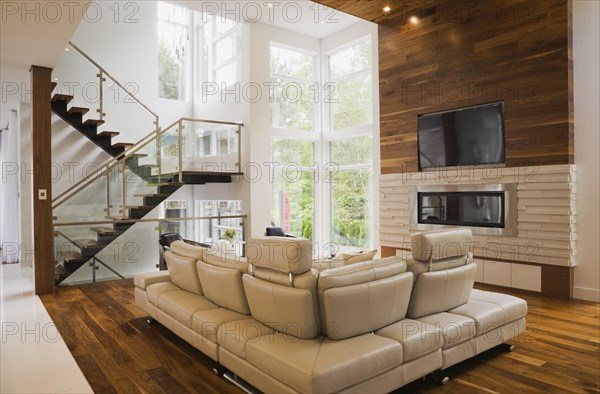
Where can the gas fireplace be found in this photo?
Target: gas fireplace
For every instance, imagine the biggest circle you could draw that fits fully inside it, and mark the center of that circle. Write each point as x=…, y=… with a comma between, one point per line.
x=486, y=209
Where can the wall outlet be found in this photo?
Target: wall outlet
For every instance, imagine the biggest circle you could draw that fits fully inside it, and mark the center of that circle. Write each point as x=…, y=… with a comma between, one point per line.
x=42, y=194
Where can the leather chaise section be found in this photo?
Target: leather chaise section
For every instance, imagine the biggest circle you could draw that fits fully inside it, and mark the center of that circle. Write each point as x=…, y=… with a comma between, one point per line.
x=323, y=365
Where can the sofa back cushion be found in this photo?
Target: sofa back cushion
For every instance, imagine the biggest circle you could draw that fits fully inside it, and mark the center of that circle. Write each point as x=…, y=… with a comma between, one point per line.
x=363, y=297
x=283, y=254
x=223, y=285
x=440, y=291
x=284, y=308
x=182, y=271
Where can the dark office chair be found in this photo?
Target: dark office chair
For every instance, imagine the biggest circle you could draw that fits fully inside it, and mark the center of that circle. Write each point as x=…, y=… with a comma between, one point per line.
x=278, y=232
x=165, y=241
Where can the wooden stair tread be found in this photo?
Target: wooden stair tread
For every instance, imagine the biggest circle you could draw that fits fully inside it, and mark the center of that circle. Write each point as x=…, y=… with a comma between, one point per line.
x=78, y=110
x=141, y=206
x=73, y=257
x=105, y=230
x=125, y=145
x=60, y=270
x=93, y=122
x=117, y=219
x=151, y=195
x=109, y=134
x=62, y=97
x=148, y=165
x=88, y=243
x=53, y=86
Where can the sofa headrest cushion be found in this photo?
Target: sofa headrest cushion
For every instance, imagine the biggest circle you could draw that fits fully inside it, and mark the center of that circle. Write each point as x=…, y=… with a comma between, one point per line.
x=186, y=250
x=439, y=245
x=363, y=272
x=287, y=255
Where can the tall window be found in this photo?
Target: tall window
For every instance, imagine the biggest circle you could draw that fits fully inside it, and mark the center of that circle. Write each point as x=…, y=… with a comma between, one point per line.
x=351, y=192
x=173, y=51
x=351, y=146
x=343, y=183
x=222, y=50
x=350, y=72
x=293, y=76
x=293, y=186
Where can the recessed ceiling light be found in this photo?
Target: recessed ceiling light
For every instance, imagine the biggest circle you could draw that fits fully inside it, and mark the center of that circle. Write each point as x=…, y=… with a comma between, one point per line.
x=414, y=20
x=56, y=79
x=387, y=8
x=66, y=49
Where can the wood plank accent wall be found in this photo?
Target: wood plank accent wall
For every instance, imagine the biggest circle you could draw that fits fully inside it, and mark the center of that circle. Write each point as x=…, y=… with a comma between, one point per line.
x=468, y=53
x=42, y=209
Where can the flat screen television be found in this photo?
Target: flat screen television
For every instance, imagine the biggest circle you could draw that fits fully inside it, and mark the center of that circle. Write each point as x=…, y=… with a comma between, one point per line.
x=464, y=136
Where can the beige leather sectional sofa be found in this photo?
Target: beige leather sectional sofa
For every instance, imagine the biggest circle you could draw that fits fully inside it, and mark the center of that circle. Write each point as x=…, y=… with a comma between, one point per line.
x=367, y=327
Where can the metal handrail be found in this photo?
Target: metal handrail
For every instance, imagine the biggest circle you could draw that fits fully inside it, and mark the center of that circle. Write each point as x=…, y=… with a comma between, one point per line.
x=94, y=222
x=111, y=77
x=130, y=152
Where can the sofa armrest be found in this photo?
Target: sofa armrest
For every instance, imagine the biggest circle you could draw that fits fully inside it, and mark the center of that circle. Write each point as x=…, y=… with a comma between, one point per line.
x=144, y=280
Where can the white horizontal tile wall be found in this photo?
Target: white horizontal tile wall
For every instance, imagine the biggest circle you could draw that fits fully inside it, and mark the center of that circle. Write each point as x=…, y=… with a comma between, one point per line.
x=546, y=215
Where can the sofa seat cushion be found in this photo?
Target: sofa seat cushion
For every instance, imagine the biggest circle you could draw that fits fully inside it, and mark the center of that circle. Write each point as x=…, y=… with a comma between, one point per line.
x=417, y=338
x=233, y=335
x=207, y=322
x=487, y=316
x=323, y=365
x=156, y=289
x=181, y=305
x=456, y=329
x=514, y=307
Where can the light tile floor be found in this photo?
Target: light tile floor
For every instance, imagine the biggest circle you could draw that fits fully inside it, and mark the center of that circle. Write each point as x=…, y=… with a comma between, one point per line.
x=33, y=356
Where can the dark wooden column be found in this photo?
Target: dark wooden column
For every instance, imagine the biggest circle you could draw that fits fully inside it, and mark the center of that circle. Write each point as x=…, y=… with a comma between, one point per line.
x=43, y=239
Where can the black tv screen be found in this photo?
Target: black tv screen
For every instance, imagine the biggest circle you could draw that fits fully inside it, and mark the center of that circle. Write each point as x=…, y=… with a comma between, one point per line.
x=466, y=136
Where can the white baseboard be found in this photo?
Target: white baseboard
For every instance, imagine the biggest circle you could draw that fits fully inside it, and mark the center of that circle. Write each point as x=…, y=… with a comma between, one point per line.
x=586, y=294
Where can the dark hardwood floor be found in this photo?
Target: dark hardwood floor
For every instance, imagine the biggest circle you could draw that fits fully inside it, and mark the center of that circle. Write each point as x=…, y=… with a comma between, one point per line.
x=119, y=352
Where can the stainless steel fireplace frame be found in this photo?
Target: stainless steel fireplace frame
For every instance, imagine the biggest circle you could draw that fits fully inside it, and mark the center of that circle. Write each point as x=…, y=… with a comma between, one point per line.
x=510, y=207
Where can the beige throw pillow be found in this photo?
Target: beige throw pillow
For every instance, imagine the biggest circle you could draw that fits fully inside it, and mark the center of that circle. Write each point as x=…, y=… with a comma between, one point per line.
x=356, y=257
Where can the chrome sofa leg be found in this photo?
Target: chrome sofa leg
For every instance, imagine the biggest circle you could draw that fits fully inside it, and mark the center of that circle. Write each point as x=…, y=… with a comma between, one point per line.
x=508, y=347
x=219, y=370
x=150, y=321
x=439, y=377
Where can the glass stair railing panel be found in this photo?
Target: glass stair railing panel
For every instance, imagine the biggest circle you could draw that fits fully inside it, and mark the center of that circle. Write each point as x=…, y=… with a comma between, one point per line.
x=170, y=158
x=211, y=146
x=85, y=202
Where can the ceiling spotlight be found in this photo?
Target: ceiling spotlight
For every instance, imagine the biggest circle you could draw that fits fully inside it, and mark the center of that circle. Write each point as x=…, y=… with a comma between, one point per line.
x=413, y=19
x=66, y=49
x=56, y=79
x=387, y=8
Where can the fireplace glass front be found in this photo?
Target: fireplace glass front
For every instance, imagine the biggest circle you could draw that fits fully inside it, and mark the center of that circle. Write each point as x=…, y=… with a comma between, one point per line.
x=477, y=208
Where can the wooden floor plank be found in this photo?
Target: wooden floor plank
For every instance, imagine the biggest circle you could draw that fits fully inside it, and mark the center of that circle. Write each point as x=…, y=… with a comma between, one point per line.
x=119, y=352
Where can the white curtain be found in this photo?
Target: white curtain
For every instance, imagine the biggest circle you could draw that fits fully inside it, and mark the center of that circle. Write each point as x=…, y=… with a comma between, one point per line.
x=9, y=193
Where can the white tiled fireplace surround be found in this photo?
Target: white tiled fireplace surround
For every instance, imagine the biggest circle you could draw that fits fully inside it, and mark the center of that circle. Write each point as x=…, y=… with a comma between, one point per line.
x=546, y=221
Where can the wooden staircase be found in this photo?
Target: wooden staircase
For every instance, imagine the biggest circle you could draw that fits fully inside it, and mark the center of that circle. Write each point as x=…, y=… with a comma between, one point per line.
x=71, y=261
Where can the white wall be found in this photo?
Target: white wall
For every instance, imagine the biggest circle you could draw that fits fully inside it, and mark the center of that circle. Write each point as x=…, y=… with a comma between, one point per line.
x=586, y=64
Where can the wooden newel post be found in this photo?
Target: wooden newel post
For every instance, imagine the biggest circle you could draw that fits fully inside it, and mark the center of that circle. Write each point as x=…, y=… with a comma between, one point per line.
x=43, y=238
